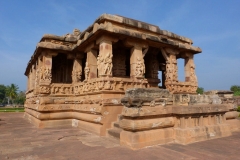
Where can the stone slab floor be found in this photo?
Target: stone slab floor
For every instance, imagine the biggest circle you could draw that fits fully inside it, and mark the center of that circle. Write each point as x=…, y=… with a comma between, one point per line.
x=21, y=140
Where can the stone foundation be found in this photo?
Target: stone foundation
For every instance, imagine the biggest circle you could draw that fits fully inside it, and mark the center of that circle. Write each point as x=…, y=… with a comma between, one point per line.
x=149, y=118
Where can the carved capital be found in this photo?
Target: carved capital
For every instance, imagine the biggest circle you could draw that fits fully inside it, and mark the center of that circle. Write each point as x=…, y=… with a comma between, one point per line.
x=132, y=43
x=89, y=47
x=171, y=51
x=105, y=38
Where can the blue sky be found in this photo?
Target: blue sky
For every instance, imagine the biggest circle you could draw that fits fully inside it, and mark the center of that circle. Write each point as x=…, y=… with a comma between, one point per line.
x=214, y=26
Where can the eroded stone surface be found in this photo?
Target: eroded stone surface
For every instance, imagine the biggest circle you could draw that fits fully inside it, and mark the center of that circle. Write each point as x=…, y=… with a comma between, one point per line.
x=190, y=118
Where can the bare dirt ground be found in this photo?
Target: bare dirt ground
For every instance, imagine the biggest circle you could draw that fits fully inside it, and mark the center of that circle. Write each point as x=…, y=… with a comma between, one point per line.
x=21, y=140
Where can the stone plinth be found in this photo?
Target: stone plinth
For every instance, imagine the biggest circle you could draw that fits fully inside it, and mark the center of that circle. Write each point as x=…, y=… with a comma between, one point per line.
x=155, y=116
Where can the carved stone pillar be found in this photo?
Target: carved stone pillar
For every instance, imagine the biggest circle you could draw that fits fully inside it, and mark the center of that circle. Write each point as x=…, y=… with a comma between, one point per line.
x=137, y=65
x=137, y=62
x=46, y=72
x=36, y=80
x=77, y=69
x=189, y=68
x=104, y=59
x=171, y=73
x=33, y=76
x=29, y=79
x=119, y=66
x=92, y=63
x=152, y=65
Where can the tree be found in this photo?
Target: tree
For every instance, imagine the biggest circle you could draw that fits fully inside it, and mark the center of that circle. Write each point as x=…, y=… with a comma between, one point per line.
x=200, y=90
x=236, y=90
x=21, y=97
x=11, y=92
x=2, y=93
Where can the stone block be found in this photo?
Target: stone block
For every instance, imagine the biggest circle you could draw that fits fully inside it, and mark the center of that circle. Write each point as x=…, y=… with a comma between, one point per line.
x=137, y=140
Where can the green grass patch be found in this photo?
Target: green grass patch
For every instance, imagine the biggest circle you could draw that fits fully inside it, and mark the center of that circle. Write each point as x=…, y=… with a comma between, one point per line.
x=11, y=109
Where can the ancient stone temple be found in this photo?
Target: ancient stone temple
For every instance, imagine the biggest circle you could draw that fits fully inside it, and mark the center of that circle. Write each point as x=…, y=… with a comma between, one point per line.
x=106, y=80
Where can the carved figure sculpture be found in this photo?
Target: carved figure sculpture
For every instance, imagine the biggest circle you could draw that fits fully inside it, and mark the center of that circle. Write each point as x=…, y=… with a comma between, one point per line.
x=44, y=89
x=108, y=64
x=76, y=72
x=86, y=71
x=76, y=32
x=100, y=64
x=108, y=85
x=45, y=74
x=140, y=68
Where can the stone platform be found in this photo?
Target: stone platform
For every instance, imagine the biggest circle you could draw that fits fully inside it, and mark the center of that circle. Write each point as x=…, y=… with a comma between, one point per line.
x=21, y=140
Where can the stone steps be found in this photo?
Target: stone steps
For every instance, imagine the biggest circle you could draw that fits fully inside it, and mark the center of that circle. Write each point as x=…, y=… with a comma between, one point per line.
x=116, y=125
x=115, y=130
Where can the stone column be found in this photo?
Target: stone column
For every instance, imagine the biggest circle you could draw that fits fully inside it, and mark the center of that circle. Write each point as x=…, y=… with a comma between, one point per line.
x=104, y=59
x=92, y=63
x=137, y=64
x=171, y=73
x=46, y=71
x=33, y=76
x=28, y=82
x=188, y=60
x=189, y=68
x=77, y=68
x=29, y=79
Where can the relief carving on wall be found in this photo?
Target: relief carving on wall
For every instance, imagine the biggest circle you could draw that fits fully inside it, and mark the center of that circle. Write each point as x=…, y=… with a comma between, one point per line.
x=44, y=89
x=99, y=84
x=108, y=64
x=45, y=74
x=171, y=72
x=86, y=71
x=76, y=72
x=61, y=89
x=140, y=67
x=104, y=64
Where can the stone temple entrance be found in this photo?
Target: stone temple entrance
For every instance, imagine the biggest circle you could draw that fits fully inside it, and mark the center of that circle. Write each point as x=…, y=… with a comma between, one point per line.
x=84, y=80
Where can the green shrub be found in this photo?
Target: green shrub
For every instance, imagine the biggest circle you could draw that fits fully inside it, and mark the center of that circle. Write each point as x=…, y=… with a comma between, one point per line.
x=238, y=108
x=237, y=93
